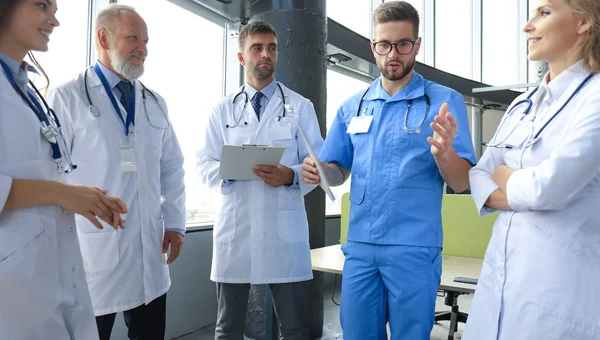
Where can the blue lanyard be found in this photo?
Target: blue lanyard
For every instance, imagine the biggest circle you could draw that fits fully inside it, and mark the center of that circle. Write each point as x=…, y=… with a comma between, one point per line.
x=113, y=100
x=36, y=107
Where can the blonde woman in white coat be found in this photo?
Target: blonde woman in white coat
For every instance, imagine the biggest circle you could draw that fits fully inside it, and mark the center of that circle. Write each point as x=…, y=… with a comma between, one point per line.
x=43, y=292
x=542, y=171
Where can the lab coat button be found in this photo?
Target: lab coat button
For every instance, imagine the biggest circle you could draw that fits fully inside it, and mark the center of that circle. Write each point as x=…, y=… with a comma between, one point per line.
x=74, y=285
x=72, y=269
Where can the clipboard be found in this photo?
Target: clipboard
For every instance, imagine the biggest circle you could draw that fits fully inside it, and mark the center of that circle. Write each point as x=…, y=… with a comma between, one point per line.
x=324, y=183
x=237, y=162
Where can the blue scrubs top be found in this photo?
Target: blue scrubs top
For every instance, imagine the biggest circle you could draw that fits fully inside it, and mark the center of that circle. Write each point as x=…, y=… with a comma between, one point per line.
x=396, y=189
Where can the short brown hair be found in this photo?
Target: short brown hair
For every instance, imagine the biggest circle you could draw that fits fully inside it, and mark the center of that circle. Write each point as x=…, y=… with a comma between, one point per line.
x=252, y=28
x=397, y=11
x=591, y=45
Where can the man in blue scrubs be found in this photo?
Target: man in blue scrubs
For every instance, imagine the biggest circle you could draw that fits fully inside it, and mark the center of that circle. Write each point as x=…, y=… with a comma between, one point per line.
x=401, y=139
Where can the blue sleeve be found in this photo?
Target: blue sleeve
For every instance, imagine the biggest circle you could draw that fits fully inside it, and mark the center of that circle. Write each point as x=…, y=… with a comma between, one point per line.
x=338, y=146
x=462, y=142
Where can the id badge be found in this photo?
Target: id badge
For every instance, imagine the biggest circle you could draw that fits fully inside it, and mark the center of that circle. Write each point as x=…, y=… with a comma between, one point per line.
x=128, y=163
x=360, y=124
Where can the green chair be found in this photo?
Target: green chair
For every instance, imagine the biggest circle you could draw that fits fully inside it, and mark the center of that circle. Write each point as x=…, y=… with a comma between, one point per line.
x=466, y=234
x=344, y=218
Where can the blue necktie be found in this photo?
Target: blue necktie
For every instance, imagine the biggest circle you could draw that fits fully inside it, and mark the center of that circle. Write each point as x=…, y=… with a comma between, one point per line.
x=126, y=90
x=256, y=103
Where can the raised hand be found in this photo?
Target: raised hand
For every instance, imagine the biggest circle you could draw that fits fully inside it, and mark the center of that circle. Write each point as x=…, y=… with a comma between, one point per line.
x=444, y=131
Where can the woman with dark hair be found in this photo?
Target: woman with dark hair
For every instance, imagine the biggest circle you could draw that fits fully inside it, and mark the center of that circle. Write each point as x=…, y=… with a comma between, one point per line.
x=542, y=172
x=43, y=292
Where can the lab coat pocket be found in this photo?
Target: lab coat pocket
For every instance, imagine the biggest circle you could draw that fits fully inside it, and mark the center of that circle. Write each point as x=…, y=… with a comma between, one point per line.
x=517, y=138
x=30, y=288
x=282, y=133
x=226, y=220
x=100, y=252
x=157, y=118
x=292, y=226
x=225, y=225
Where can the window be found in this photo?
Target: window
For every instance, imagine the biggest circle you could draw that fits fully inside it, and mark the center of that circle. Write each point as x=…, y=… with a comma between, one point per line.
x=356, y=17
x=185, y=65
x=339, y=88
x=500, y=55
x=453, y=38
x=66, y=56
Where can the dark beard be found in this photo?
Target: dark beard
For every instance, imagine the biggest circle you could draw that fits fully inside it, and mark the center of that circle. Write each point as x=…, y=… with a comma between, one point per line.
x=259, y=74
x=405, y=71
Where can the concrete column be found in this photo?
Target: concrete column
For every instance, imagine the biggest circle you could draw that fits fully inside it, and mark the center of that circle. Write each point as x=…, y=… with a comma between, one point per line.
x=477, y=127
x=301, y=66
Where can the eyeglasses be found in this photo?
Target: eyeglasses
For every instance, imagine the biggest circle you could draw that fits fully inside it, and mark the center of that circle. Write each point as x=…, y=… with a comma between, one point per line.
x=403, y=47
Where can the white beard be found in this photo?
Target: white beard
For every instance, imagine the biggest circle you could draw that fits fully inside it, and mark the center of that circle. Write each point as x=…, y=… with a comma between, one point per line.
x=123, y=66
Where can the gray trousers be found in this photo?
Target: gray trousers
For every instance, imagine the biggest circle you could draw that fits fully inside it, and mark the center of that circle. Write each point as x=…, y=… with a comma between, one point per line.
x=290, y=301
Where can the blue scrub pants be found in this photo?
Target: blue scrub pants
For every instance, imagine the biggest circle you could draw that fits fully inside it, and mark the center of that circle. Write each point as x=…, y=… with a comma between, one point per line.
x=382, y=283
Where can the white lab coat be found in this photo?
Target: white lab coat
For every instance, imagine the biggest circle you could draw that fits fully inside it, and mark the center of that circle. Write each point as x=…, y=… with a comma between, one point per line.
x=124, y=268
x=260, y=233
x=43, y=292
x=541, y=272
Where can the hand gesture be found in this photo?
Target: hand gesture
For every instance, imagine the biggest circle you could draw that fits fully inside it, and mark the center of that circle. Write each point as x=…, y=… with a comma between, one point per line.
x=93, y=203
x=444, y=131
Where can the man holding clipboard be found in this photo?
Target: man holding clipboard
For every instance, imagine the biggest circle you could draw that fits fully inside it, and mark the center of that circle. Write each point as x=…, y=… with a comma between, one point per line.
x=261, y=229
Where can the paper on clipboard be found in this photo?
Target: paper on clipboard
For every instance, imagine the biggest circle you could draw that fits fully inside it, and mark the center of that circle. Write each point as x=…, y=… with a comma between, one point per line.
x=324, y=183
x=237, y=162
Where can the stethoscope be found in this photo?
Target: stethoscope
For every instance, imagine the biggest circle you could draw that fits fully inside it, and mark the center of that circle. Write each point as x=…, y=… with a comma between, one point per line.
x=410, y=101
x=528, y=106
x=96, y=113
x=243, y=92
x=50, y=129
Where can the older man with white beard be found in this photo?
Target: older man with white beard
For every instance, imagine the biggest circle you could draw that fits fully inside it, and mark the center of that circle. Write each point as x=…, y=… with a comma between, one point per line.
x=121, y=138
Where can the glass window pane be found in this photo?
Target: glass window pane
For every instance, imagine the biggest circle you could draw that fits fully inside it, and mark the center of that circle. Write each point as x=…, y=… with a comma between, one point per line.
x=191, y=81
x=66, y=55
x=500, y=58
x=355, y=17
x=453, y=38
x=339, y=88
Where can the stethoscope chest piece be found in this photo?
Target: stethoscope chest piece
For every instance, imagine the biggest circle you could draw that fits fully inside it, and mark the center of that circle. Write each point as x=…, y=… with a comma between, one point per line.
x=48, y=133
x=94, y=111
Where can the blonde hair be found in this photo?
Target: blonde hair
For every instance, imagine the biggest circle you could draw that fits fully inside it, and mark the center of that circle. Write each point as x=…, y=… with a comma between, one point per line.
x=591, y=44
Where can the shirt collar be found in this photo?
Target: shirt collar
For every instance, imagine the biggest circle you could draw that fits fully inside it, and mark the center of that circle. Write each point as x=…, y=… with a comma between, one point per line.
x=19, y=71
x=414, y=89
x=268, y=91
x=550, y=91
x=112, y=78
